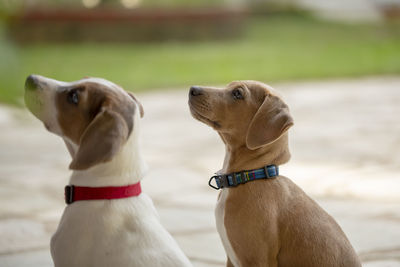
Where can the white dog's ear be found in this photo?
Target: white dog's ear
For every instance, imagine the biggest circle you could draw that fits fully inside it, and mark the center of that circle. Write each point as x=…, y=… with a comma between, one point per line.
x=271, y=120
x=139, y=104
x=101, y=140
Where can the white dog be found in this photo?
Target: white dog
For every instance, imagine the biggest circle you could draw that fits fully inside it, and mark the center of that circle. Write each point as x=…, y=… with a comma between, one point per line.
x=108, y=221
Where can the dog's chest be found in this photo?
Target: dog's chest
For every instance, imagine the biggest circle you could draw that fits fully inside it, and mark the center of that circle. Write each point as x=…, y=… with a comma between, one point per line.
x=220, y=222
x=92, y=233
x=123, y=232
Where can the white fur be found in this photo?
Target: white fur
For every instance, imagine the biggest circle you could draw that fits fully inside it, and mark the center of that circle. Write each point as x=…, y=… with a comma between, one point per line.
x=119, y=232
x=45, y=103
x=220, y=218
x=124, y=232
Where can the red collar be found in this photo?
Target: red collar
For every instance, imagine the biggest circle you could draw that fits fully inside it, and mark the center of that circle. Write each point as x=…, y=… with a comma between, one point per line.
x=75, y=193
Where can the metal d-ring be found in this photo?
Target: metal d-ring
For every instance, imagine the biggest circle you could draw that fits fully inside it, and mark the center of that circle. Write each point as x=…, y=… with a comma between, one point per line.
x=211, y=185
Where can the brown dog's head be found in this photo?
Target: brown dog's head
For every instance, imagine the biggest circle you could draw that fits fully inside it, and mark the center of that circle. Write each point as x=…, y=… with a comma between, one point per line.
x=250, y=112
x=92, y=115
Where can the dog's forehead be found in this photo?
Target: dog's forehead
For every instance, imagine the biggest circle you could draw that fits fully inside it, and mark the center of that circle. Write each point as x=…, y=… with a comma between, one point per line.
x=102, y=86
x=233, y=84
x=99, y=81
x=256, y=85
x=250, y=84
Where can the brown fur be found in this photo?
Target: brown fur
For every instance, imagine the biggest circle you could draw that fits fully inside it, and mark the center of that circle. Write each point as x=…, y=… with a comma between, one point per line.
x=268, y=222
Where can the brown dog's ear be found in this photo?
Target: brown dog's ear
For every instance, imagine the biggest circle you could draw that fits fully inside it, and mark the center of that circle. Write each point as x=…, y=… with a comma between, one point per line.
x=139, y=104
x=271, y=120
x=101, y=140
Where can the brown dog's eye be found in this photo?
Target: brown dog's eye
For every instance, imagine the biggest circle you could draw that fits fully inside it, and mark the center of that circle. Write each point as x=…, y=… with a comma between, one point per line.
x=237, y=94
x=73, y=97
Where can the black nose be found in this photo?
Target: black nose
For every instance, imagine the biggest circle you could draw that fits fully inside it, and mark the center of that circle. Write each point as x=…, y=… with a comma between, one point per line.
x=31, y=82
x=195, y=91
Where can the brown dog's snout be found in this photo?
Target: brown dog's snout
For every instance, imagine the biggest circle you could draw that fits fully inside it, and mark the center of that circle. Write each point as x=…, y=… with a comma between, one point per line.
x=31, y=82
x=195, y=91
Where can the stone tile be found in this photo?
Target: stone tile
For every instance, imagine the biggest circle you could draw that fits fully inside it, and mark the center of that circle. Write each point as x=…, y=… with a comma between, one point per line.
x=34, y=258
x=185, y=221
x=21, y=235
x=205, y=247
x=370, y=226
x=345, y=180
x=190, y=198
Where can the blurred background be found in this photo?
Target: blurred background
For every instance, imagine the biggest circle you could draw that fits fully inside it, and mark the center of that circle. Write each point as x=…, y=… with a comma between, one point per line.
x=336, y=62
x=148, y=44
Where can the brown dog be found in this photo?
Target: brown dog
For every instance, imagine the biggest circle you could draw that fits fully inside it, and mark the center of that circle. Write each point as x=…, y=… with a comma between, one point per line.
x=265, y=222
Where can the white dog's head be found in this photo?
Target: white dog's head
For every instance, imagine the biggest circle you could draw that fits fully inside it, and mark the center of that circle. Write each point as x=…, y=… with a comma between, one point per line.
x=94, y=116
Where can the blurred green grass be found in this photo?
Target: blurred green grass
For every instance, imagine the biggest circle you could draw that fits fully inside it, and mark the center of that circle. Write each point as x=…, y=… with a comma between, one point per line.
x=274, y=48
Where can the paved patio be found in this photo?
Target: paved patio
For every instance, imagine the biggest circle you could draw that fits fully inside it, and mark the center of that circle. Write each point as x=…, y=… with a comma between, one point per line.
x=345, y=153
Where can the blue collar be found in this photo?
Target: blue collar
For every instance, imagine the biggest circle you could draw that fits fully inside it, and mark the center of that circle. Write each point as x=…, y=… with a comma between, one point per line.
x=237, y=178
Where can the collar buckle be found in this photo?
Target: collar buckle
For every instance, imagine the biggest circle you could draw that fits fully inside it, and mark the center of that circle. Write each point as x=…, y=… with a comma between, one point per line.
x=69, y=194
x=271, y=171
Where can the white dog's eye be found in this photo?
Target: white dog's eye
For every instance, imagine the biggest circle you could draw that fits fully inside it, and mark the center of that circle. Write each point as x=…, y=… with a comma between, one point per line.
x=73, y=97
x=237, y=94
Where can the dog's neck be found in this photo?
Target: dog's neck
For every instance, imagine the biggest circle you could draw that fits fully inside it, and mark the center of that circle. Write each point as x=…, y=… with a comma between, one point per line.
x=238, y=157
x=127, y=167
